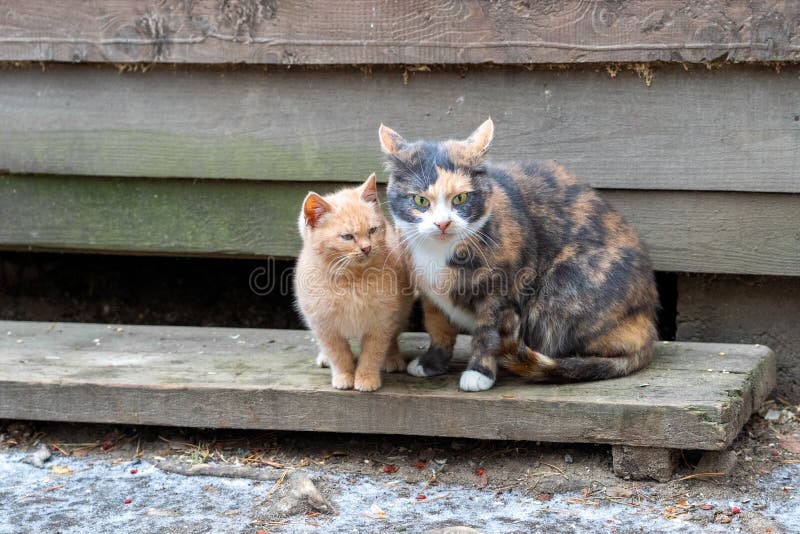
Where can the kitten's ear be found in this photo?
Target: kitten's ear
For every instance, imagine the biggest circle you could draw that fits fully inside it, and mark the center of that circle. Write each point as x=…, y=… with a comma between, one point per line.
x=314, y=207
x=369, y=189
x=479, y=140
x=391, y=141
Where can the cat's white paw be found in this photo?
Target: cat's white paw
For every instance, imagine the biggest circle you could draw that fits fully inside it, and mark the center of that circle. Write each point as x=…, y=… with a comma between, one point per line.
x=322, y=360
x=414, y=368
x=475, y=381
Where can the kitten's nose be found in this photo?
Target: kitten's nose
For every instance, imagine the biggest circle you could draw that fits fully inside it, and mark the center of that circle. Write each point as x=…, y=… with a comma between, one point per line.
x=442, y=225
x=366, y=249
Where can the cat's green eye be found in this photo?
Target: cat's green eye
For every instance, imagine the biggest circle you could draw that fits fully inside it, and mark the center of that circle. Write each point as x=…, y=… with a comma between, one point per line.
x=460, y=199
x=421, y=201
x=373, y=230
x=346, y=237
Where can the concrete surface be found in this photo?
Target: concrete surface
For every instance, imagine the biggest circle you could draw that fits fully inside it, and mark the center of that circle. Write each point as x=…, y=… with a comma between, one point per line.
x=75, y=495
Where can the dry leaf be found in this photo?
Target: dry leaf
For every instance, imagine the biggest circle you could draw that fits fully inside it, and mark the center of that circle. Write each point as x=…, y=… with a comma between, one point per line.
x=375, y=512
x=61, y=470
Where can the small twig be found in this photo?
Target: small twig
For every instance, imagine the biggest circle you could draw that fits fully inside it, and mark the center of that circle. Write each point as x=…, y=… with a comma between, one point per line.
x=59, y=449
x=561, y=471
x=432, y=499
x=261, y=523
x=700, y=475
x=579, y=500
x=211, y=470
x=45, y=490
x=275, y=487
x=620, y=501
x=176, y=442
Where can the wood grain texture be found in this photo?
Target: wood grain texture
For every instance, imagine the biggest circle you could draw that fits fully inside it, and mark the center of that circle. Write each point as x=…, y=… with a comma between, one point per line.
x=378, y=32
x=680, y=133
x=743, y=233
x=695, y=399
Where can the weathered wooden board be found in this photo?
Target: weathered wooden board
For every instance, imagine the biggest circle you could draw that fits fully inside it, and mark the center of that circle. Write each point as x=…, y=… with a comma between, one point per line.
x=737, y=129
x=692, y=397
x=745, y=233
x=366, y=31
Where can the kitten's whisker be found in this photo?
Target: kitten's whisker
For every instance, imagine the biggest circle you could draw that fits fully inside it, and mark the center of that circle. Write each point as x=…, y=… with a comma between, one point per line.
x=408, y=242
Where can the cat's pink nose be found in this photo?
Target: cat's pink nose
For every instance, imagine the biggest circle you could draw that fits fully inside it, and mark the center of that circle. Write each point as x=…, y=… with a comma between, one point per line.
x=366, y=249
x=442, y=225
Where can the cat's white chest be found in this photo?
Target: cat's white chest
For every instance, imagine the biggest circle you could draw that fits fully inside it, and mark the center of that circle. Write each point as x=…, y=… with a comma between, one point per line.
x=436, y=280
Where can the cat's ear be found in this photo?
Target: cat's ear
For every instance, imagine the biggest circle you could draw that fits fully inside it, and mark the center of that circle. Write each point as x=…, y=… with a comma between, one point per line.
x=478, y=141
x=314, y=207
x=391, y=141
x=369, y=189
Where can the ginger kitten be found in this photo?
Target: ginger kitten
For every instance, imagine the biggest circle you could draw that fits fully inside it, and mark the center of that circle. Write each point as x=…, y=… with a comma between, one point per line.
x=552, y=283
x=352, y=282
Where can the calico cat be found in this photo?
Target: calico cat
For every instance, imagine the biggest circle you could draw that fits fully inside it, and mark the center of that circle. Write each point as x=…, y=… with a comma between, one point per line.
x=352, y=282
x=549, y=279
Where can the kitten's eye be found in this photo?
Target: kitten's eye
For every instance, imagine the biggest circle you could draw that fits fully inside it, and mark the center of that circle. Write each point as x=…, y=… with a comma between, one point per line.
x=421, y=201
x=346, y=237
x=373, y=230
x=460, y=199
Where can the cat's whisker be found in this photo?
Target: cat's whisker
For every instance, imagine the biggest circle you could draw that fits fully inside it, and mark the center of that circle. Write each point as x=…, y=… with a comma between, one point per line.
x=470, y=238
x=485, y=236
x=479, y=244
x=409, y=242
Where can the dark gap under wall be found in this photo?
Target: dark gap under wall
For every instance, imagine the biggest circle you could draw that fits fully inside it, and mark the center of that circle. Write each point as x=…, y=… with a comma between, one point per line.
x=668, y=313
x=177, y=291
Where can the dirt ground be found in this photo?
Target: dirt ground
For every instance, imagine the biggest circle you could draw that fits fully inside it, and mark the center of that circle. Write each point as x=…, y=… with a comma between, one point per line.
x=380, y=483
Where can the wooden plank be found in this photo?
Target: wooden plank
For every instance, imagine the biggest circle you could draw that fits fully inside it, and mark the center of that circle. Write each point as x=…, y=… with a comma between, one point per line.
x=267, y=379
x=687, y=231
x=680, y=133
x=744, y=233
x=373, y=32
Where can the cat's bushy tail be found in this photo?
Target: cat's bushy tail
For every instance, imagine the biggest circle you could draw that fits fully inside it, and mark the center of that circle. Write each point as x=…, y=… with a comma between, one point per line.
x=532, y=365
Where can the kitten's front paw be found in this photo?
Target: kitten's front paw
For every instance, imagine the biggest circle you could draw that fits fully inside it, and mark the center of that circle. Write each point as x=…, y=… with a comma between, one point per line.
x=343, y=381
x=368, y=382
x=475, y=381
x=394, y=363
x=322, y=360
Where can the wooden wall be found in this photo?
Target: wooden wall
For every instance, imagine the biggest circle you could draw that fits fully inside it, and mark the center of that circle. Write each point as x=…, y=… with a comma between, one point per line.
x=156, y=144
x=399, y=32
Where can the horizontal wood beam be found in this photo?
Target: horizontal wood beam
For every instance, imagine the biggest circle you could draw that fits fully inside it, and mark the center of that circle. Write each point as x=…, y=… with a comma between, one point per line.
x=329, y=32
x=737, y=129
x=266, y=379
x=685, y=231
